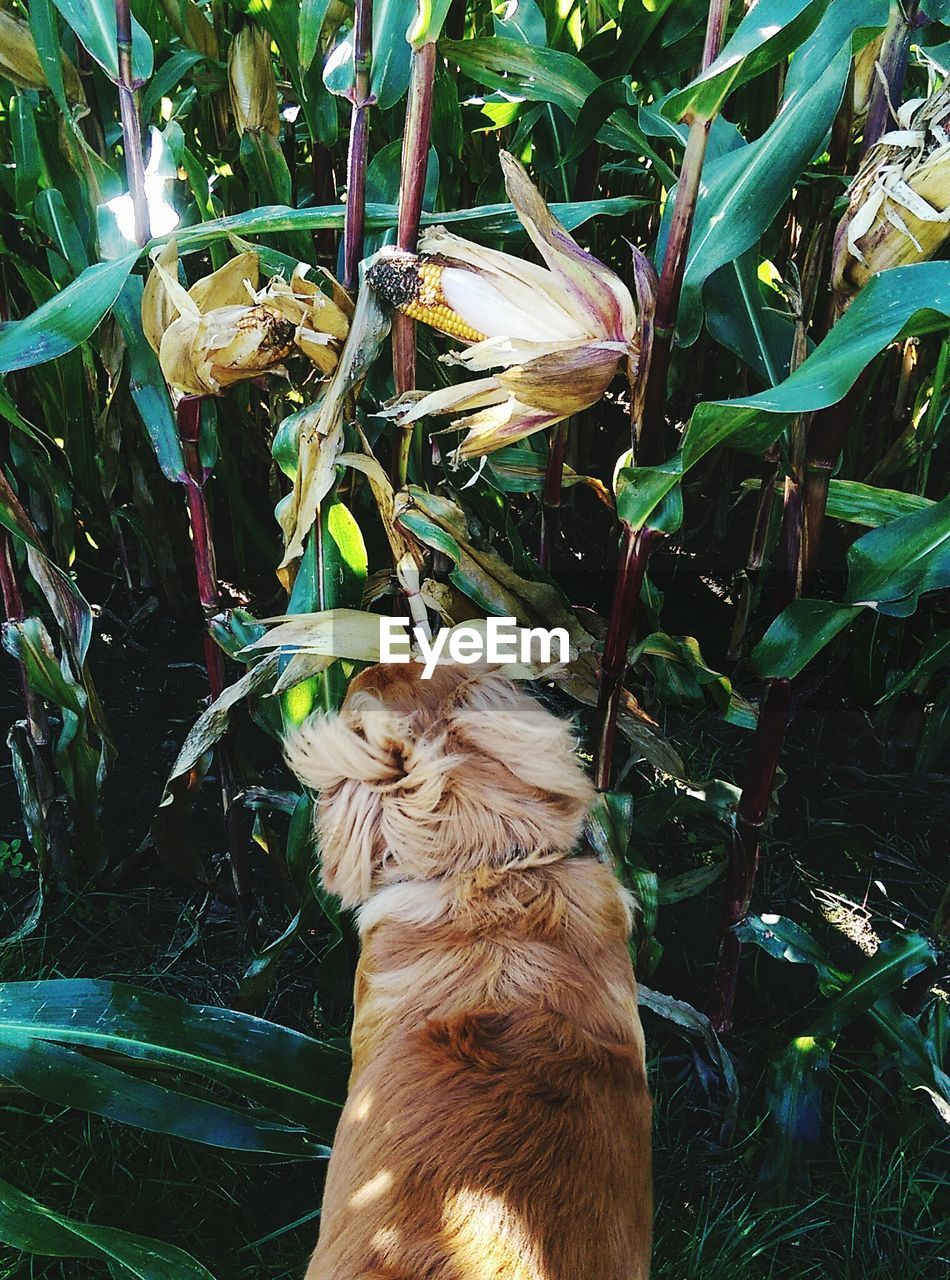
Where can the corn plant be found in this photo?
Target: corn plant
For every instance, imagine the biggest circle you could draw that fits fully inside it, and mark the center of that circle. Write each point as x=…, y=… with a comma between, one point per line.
x=317, y=312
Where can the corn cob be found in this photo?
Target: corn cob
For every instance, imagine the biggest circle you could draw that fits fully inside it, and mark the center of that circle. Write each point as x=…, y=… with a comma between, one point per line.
x=413, y=285
x=252, y=83
x=899, y=201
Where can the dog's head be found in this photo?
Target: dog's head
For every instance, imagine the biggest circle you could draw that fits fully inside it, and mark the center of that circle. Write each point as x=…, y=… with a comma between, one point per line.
x=419, y=778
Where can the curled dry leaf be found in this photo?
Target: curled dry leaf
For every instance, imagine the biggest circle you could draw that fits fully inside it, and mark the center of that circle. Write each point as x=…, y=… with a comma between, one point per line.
x=320, y=438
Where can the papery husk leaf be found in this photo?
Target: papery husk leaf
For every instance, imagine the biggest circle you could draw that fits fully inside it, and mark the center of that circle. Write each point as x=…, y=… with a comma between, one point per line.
x=252, y=84
x=384, y=496
x=20, y=63
x=496, y=353
x=177, y=360
x=647, y=286
x=865, y=75
x=320, y=442
x=521, y=400
x=301, y=301
x=484, y=577
x=520, y=282
x=564, y=382
x=225, y=346
x=232, y=285
x=454, y=399
x=501, y=425
x=331, y=633
x=238, y=343
x=899, y=202
x=480, y=572
x=602, y=295
x=158, y=307
x=319, y=349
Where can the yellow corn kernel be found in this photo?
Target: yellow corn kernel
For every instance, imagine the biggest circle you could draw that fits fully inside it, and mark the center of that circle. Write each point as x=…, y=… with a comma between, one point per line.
x=414, y=287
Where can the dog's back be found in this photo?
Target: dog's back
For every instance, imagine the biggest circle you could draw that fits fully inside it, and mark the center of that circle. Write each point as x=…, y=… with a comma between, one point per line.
x=498, y=1121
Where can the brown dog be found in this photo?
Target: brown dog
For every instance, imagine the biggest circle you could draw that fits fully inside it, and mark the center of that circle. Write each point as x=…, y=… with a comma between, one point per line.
x=498, y=1119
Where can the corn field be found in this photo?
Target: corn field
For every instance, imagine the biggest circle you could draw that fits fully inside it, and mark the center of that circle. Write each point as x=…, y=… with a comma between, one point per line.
x=625, y=317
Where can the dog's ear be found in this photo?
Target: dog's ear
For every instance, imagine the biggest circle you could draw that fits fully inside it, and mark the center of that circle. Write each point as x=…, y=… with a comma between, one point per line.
x=352, y=759
x=482, y=775
x=521, y=770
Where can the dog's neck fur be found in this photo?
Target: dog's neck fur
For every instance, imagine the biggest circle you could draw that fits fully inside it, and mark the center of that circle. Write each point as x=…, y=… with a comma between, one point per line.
x=509, y=938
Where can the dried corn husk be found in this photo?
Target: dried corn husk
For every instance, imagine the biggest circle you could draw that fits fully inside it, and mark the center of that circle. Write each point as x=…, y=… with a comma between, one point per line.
x=558, y=332
x=252, y=83
x=225, y=329
x=899, y=202
x=865, y=75
x=190, y=23
x=20, y=63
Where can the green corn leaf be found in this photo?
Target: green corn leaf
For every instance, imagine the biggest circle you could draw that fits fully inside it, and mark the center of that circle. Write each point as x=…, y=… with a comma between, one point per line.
x=890, y=567
x=934, y=656
x=389, y=73
x=523, y=21
x=794, y=1094
x=766, y=35
x=32, y=1227
x=49, y=50
x=683, y=1015
x=912, y=299
x=641, y=491
x=52, y=214
x=748, y=318
x=168, y=76
x=798, y=634
x=429, y=20
x=920, y=1047
x=68, y=1077
x=783, y=939
x=68, y=319
x=213, y=723
x=266, y=168
x=147, y=383
x=26, y=150
x=29, y=642
x=684, y=653
x=310, y=23
x=797, y=1077
x=389, y=76
x=743, y=190
x=867, y=504
x=94, y=24
x=841, y=25
x=288, y=1074
x=545, y=75
x=609, y=830
x=888, y=570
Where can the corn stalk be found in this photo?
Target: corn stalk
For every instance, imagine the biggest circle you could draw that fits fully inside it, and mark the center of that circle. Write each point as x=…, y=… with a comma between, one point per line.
x=415, y=159
x=353, y=229
x=206, y=576
x=636, y=547
x=131, y=121
x=890, y=72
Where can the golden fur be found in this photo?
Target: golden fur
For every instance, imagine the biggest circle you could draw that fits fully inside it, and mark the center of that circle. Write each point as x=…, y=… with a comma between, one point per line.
x=498, y=1119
